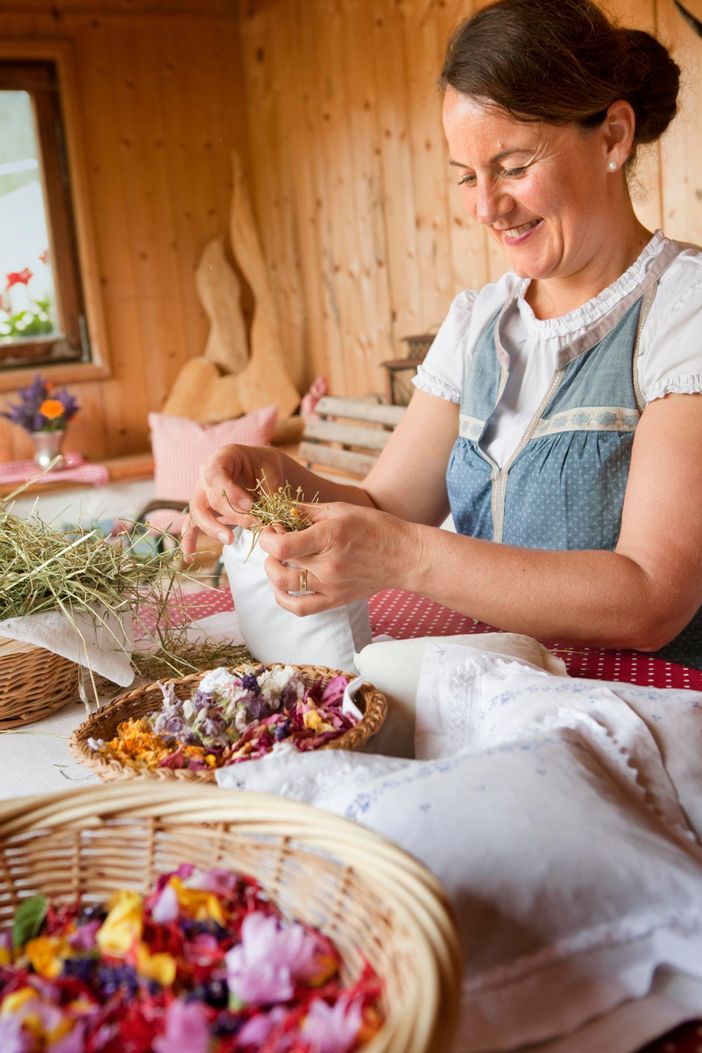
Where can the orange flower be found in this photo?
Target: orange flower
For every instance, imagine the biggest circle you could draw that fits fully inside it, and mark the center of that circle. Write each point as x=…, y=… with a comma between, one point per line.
x=51, y=409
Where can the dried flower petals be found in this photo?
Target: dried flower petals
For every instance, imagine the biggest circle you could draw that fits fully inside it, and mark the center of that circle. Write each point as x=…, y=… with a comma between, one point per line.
x=221, y=972
x=232, y=717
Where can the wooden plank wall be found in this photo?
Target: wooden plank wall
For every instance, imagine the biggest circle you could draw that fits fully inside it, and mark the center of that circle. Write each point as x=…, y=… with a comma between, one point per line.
x=162, y=107
x=333, y=105
x=362, y=223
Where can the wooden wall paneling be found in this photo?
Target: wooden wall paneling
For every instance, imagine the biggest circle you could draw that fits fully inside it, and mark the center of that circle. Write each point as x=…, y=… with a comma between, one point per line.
x=681, y=146
x=110, y=204
x=343, y=265
x=150, y=215
x=316, y=30
x=645, y=180
x=327, y=321
x=300, y=139
x=398, y=182
x=270, y=76
x=123, y=9
x=428, y=163
x=494, y=258
x=468, y=240
x=191, y=180
x=305, y=346
x=374, y=338
x=286, y=272
x=136, y=231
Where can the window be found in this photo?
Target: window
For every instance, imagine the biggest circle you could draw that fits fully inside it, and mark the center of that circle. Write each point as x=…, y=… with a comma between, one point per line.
x=48, y=315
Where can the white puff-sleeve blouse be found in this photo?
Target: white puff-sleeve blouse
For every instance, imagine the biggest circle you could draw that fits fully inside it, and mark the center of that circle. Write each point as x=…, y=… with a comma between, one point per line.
x=670, y=349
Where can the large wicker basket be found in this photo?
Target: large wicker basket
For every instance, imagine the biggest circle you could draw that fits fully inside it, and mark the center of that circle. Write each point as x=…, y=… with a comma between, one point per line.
x=33, y=682
x=376, y=902
x=143, y=700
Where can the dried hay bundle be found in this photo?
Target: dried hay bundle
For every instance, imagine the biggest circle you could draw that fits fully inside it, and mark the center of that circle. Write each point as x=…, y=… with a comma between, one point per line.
x=81, y=571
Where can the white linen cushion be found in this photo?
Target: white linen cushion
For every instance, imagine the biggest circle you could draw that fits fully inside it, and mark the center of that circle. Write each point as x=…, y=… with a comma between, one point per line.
x=393, y=667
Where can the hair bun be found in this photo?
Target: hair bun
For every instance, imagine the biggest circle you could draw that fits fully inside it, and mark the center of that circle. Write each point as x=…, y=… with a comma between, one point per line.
x=652, y=80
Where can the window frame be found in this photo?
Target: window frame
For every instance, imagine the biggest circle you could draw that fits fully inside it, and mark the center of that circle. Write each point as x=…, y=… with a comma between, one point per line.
x=60, y=52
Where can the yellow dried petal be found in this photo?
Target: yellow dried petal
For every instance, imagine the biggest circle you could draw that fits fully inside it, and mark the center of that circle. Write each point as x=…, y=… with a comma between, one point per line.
x=16, y=1000
x=46, y=954
x=123, y=924
x=198, y=903
x=158, y=967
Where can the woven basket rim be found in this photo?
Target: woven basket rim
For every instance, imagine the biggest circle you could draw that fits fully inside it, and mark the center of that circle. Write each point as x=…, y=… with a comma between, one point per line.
x=406, y=890
x=374, y=701
x=34, y=682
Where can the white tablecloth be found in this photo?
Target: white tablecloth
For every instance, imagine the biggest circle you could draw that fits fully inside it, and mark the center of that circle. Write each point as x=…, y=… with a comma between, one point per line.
x=36, y=758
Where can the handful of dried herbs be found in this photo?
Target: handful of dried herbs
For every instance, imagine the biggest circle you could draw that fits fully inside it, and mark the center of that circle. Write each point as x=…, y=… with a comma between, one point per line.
x=278, y=506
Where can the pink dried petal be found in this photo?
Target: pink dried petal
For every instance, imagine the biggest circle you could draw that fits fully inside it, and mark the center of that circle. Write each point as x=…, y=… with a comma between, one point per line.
x=187, y=1029
x=165, y=909
x=332, y=1028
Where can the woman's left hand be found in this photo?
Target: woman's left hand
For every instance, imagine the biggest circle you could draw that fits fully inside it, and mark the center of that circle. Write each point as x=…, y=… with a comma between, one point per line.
x=349, y=553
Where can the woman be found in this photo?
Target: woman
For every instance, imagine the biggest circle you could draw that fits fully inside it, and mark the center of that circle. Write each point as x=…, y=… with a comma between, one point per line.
x=558, y=411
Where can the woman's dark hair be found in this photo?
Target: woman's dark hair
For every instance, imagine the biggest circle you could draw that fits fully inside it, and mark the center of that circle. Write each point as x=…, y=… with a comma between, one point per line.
x=561, y=61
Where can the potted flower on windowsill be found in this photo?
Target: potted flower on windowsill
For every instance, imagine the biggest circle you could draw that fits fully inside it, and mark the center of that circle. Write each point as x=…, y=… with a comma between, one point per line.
x=44, y=412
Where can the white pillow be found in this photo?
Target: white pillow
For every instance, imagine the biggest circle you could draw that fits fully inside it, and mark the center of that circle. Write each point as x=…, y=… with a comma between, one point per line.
x=394, y=666
x=273, y=634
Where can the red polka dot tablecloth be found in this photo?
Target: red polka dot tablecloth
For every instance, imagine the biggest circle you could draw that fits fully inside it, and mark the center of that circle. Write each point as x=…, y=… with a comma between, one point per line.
x=405, y=616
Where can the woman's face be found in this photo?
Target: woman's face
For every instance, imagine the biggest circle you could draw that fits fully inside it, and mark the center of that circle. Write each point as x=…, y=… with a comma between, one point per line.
x=541, y=189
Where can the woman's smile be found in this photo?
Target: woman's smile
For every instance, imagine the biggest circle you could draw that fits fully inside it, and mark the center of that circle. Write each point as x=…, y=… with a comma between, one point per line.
x=547, y=195
x=517, y=235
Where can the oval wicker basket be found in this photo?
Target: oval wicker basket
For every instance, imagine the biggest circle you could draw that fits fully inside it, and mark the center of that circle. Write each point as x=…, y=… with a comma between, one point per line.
x=375, y=901
x=146, y=699
x=33, y=682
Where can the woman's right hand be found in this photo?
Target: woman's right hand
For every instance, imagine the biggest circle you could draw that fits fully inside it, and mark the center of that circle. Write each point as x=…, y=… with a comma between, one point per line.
x=223, y=494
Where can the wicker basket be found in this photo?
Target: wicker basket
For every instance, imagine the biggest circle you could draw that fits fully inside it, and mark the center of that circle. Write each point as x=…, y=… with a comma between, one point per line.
x=143, y=700
x=33, y=682
x=371, y=898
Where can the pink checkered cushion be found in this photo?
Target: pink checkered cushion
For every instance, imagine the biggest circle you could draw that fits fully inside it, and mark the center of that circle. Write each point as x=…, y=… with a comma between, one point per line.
x=180, y=446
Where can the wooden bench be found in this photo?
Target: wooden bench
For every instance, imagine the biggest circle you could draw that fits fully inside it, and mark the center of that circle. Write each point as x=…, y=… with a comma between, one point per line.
x=348, y=435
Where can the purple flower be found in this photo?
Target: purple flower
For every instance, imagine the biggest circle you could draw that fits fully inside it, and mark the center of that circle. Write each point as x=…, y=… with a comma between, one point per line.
x=27, y=412
x=271, y=957
x=250, y=682
x=186, y=1031
x=332, y=1028
x=83, y=939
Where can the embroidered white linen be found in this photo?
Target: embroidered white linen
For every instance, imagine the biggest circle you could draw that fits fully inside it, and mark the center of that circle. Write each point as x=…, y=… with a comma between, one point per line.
x=272, y=634
x=562, y=817
x=393, y=666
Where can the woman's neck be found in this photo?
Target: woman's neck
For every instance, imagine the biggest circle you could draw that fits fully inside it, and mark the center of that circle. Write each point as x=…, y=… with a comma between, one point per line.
x=553, y=297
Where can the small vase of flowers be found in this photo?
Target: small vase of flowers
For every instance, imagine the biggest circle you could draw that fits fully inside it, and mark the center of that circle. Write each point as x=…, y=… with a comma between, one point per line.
x=43, y=411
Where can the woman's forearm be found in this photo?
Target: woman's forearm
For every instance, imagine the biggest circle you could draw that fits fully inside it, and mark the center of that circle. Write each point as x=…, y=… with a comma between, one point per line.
x=580, y=597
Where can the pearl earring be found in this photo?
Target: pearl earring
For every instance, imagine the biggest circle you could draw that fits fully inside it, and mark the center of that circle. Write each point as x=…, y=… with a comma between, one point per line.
x=612, y=166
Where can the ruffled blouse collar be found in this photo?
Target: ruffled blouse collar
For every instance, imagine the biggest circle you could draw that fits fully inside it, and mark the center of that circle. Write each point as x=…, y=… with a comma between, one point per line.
x=594, y=310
